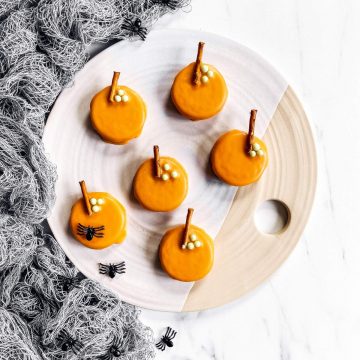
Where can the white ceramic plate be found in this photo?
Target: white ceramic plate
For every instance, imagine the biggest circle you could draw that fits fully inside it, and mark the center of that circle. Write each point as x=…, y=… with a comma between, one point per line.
x=242, y=262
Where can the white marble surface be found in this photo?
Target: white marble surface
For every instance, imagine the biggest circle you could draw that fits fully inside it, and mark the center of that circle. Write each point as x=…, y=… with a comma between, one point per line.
x=310, y=308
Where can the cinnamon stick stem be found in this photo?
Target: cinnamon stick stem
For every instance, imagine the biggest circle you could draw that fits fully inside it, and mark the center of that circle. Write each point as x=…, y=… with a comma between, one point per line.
x=157, y=161
x=114, y=85
x=250, y=136
x=197, y=71
x=85, y=196
x=187, y=227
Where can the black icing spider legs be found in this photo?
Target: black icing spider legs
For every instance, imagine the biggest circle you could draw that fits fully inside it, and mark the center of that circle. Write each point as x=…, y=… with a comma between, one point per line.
x=69, y=343
x=90, y=232
x=135, y=28
x=112, y=269
x=166, y=340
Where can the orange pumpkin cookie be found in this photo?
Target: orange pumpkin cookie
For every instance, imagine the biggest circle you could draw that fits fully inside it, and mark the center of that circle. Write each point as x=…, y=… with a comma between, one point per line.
x=199, y=90
x=117, y=113
x=186, y=252
x=161, y=183
x=98, y=220
x=239, y=158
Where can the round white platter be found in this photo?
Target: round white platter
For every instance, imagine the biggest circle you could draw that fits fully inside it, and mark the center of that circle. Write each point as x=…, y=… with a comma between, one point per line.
x=245, y=257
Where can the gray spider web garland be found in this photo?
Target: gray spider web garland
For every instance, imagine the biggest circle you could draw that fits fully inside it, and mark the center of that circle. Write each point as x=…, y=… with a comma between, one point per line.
x=48, y=310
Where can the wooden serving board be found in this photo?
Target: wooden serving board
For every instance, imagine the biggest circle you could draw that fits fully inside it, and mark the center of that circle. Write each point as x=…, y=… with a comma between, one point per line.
x=244, y=257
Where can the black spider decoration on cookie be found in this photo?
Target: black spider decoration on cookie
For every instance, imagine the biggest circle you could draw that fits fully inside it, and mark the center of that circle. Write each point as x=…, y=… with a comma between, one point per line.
x=135, y=28
x=114, y=351
x=90, y=232
x=166, y=340
x=68, y=283
x=67, y=342
x=112, y=269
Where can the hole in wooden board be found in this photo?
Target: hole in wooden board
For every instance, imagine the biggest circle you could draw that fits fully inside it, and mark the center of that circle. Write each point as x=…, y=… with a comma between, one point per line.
x=272, y=217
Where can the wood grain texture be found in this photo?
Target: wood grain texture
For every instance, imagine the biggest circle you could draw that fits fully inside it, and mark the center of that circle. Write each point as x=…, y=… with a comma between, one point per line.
x=245, y=257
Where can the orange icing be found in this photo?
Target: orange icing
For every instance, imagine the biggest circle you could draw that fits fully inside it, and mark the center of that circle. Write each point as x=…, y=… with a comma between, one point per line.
x=112, y=216
x=231, y=163
x=156, y=194
x=198, y=102
x=117, y=123
x=184, y=264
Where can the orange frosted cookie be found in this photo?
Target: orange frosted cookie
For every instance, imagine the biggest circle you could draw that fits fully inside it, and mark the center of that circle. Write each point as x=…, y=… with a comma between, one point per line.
x=199, y=90
x=117, y=113
x=97, y=220
x=161, y=183
x=186, y=252
x=239, y=158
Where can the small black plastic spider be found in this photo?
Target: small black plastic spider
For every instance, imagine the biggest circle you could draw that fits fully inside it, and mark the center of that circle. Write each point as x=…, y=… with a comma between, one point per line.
x=90, y=231
x=68, y=283
x=114, y=350
x=112, y=269
x=166, y=340
x=69, y=343
x=171, y=4
x=135, y=28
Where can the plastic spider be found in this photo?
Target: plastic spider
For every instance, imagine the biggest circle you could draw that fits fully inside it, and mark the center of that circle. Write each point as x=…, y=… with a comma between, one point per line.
x=135, y=28
x=112, y=269
x=90, y=231
x=114, y=350
x=69, y=343
x=166, y=340
x=67, y=283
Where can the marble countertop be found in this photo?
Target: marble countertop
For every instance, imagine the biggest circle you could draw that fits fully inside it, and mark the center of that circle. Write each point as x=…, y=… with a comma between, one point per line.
x=309, y=309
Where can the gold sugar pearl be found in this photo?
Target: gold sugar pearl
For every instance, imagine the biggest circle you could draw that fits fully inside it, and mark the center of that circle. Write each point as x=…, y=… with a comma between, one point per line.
x=96, y=208
x=174, y=174
x=193, y=237
x=197, y=243
x=204, y=79
x=204, y=68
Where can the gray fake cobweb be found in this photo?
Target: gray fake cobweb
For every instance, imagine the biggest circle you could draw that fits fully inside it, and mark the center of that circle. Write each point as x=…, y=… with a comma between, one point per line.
x=42, y=295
